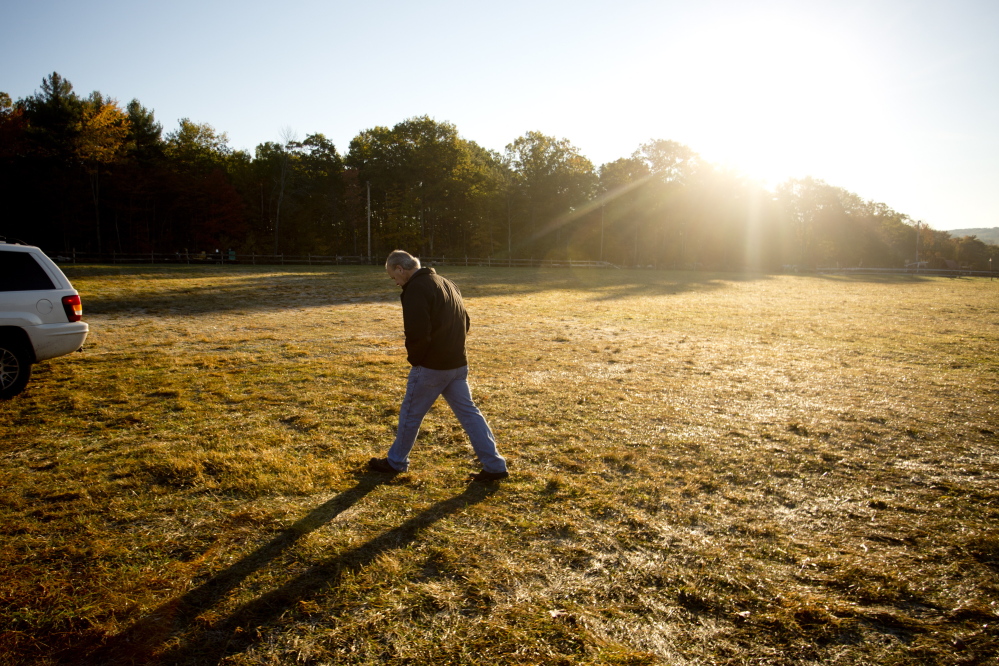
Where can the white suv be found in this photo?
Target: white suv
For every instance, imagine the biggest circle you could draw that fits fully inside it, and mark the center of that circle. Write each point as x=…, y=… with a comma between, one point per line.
x=40, y=314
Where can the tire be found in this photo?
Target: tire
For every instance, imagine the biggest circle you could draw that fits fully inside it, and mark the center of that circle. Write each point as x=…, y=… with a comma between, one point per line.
x=15, y=369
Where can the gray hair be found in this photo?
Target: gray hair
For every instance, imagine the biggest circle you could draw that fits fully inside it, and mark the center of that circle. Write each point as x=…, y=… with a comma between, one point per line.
x=403, y=260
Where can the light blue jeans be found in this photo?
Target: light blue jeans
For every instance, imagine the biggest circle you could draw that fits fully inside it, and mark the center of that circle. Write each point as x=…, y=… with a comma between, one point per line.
x=422, y=389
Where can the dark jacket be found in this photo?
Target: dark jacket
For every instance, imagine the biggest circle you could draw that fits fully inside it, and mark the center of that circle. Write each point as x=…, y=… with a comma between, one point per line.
x=435, y=320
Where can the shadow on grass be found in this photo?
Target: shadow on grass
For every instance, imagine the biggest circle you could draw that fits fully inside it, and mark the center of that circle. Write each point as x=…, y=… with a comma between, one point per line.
x=215, y=289
x=671, y=283
x=201, y=291
x=179, y=271
x=139, y=643
x=874, y=278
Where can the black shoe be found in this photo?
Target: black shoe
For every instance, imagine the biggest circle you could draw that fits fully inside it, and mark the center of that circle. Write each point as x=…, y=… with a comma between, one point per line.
x=381, y=465
x=485, y=476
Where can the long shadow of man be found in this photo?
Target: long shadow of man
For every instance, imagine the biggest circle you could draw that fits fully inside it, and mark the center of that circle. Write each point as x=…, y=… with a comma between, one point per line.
x=139, y=643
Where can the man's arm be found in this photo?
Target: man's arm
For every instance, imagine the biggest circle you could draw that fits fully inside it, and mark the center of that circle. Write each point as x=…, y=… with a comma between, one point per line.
x=416, y=319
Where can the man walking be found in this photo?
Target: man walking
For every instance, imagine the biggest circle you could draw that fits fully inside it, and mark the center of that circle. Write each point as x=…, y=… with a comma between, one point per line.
x=435, y=323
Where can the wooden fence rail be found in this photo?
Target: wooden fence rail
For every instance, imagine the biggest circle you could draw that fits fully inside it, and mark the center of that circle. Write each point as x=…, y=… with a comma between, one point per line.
x=302, y=259
x=342, y=260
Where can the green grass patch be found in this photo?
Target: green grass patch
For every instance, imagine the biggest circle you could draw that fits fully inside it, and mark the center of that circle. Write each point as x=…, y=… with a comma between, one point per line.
x=705, y=468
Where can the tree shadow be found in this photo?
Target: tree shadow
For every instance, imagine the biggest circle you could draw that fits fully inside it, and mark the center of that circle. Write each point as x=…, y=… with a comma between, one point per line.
x=670, y=283
x=874, y=278
x=140, y=642
x=247, y=290
x=203, y=292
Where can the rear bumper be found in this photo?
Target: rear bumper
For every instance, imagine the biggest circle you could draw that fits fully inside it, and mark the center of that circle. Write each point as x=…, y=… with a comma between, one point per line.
x=51, y=340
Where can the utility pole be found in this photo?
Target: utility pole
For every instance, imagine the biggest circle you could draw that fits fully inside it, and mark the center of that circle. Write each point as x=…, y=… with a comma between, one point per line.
x=369, y=221
x=636, y=246
x=601, y=233
x=917, y=246
x=509, y=232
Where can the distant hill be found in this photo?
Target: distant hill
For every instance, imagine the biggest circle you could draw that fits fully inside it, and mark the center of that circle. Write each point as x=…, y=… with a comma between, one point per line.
x=986, y=235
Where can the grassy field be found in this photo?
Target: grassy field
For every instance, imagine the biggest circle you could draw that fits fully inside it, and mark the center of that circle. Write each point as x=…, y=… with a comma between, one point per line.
x=706, y=469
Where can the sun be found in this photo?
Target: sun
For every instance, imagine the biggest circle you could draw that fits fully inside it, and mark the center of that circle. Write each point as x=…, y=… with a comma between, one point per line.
x=774, y=98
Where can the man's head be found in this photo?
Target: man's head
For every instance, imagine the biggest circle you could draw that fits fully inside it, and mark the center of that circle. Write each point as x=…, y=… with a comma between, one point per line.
x=401, y=265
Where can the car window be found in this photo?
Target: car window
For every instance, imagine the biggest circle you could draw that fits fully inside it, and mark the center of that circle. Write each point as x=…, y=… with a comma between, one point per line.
x=20, y=272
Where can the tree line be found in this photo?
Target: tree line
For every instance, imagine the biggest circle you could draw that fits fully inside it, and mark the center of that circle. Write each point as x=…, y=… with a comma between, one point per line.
x=89, y=174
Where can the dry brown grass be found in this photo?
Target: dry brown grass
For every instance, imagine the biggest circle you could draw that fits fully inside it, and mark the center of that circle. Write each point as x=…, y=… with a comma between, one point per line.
x=706, y=469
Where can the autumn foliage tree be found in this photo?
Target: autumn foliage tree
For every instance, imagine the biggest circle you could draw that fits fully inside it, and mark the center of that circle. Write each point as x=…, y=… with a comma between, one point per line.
x=86, y=174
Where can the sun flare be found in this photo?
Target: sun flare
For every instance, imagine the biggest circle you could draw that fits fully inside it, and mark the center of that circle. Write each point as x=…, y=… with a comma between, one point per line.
x=771, y=98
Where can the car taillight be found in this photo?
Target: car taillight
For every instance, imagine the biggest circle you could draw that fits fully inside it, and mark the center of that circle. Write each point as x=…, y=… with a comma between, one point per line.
x=73, y=307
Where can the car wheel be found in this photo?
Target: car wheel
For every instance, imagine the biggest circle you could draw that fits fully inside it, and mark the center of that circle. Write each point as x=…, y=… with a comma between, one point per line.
x=15, y=370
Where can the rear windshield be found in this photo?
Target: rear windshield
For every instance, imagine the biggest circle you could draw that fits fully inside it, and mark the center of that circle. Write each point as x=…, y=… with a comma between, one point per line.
x=20, y=272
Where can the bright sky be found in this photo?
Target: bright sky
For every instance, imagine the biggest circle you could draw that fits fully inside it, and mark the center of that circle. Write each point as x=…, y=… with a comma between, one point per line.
x=895, y=100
